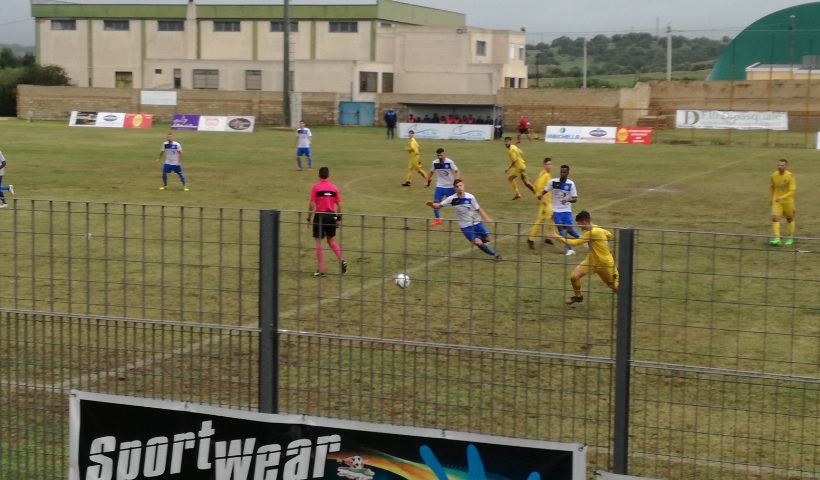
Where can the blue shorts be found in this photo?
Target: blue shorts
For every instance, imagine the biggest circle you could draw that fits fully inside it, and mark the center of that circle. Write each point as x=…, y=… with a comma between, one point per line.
x=303, y=151
x=441, y=193
x=476, y=231
x=172, y=168
x=562, y=218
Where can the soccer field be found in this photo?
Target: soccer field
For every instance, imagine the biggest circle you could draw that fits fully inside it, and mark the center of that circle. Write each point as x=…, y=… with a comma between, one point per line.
x=712, y=299
x=704, y=188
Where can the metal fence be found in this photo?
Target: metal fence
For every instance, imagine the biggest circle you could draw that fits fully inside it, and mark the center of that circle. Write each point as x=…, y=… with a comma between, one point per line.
x=718, y=377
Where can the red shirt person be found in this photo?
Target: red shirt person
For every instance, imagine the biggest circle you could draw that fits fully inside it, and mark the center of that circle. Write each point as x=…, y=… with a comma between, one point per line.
x=324, y=216
x=523, y=128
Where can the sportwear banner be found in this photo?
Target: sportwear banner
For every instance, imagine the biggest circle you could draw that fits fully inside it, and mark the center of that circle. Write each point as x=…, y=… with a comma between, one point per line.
x=114, y=437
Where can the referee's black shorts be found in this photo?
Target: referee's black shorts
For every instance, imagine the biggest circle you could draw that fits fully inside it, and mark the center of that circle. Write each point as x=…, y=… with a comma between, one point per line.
x=324, y=224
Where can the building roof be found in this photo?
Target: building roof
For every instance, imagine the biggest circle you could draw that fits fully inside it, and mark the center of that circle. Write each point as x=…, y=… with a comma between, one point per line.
x=777, y=38
x=385, y=10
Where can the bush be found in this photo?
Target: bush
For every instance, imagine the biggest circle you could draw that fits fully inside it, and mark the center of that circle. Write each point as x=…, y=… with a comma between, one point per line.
x=28, y=75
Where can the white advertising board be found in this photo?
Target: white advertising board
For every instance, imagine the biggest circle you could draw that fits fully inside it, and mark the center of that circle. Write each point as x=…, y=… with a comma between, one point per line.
x=110, y=119
x=578, y=134
x=158, y=97
x=211, y=123
x=725, y=120
x=439, y=131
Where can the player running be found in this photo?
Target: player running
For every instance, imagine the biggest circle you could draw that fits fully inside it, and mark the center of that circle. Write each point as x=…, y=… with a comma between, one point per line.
x=599, y=259
x=10, y=188
x=517, y=168
x=445, y=171
x=563, y=196
x=544, y=206
x=467, y=207
x=413, y=163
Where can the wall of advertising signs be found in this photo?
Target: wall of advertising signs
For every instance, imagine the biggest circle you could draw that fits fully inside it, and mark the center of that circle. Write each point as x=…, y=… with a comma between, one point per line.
x=113, y=437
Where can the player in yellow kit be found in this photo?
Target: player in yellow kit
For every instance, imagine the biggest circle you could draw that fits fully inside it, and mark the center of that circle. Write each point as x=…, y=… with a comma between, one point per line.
x=781, y=197
x=544, y=207
x=517, y=167
x=413, y=163
x=599, y=259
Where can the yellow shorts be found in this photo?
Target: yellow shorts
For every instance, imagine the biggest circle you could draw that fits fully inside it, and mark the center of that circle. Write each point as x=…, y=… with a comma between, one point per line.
x=544, y=215
x=519, y=171
x=607, y=273
x=783, y=209
x=413, y=162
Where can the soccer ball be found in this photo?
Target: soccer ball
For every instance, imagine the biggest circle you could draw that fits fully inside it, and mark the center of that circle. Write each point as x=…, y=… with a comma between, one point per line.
x=402, y=280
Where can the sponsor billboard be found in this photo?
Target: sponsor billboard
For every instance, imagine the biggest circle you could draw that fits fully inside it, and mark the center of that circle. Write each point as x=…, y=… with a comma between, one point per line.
x=725, y=120
x=214, y=123
x=158, y=97
x=578, y=134
x=115, y=437
x=438, y=131
x=110, y=120
x=634, y=135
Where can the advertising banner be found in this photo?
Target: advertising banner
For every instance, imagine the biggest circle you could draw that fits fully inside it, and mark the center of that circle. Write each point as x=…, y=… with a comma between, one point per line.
x=634, y=135
x=110, y=120
x=82, y=119
x=211, y=123
x=214, y=123
x=158, y=97
x=138, y=120
x=724, y=120
x=577, y=134
x=438, y=131
x=185, y=122
x=114, y=437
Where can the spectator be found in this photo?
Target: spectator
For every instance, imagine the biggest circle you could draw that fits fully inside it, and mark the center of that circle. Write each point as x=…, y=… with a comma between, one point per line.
x=435, y=118
x=470, y=120
x=426, y=119
x=411, y=118
x=498, y=127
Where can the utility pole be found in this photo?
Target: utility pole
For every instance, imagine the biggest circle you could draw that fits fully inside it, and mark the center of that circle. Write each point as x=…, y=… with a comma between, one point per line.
x=791, y=46
x=286, y=65
x=668, y=52
x=585, y=62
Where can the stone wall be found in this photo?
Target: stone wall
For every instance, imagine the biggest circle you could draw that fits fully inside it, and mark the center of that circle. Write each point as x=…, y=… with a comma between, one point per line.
x=56, y=103
x=541, y=107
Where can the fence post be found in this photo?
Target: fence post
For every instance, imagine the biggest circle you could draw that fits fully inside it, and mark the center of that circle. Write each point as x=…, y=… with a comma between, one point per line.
x=269, y=311
x=623, y=350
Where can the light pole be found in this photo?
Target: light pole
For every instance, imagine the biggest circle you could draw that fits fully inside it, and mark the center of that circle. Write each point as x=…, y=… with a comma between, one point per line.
x=791, y=45
x=286, y=65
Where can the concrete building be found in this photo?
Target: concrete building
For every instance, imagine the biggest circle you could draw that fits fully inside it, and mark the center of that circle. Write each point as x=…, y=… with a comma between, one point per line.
x=356, y=50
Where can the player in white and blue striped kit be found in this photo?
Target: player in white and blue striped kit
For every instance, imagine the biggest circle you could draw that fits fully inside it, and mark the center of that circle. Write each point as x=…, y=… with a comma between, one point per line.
x=564, y=194
x=469, y=215
x=445, y=171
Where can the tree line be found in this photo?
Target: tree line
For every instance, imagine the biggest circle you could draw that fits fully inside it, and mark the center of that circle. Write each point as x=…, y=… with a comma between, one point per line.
x=24, y=70
x=630, y=53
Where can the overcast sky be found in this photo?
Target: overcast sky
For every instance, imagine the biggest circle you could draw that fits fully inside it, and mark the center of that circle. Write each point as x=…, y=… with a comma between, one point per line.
x=543, y=19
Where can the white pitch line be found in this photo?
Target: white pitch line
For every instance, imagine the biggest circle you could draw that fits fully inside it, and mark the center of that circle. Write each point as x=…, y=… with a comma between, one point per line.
x=348, y=293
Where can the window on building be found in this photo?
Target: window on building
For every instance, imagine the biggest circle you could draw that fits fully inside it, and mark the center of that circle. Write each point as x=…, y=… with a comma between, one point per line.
x=227, y=26
x=344, y=27
x=64, y=24
x=387, y=82
x=368, y=81
x=512, y=51
x=206, y=79
x=386, y=25
x=280, y=26
x=521, y=52
x=481, y=48
x=123, y=79
x=171, y=26
x=253, y=79
x=177, y=78
x=116, y=25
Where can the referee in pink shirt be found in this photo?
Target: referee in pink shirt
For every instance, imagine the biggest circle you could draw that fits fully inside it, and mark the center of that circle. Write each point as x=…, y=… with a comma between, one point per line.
x=324, y=215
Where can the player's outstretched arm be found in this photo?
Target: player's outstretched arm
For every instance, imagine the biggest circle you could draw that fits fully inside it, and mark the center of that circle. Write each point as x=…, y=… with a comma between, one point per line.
x=484, y=215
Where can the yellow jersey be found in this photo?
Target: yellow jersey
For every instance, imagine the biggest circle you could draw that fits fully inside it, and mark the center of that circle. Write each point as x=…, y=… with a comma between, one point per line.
x=516, y=157
x=413, y=147
x=541, y=183
x=597, y=238
x=782, y=186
